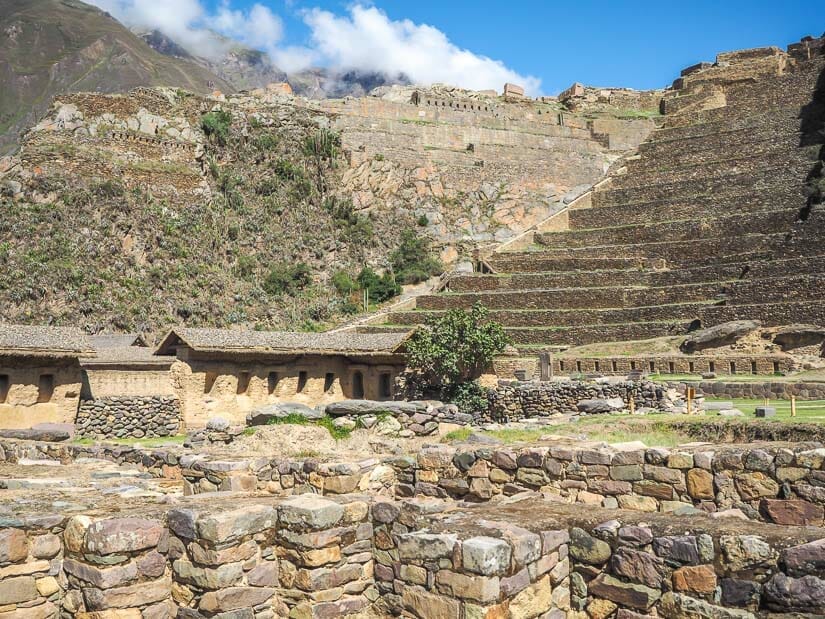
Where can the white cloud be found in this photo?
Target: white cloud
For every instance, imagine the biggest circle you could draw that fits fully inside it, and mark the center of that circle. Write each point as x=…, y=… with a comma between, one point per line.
x=365, y=39
x=191, y=25
x=368, y=39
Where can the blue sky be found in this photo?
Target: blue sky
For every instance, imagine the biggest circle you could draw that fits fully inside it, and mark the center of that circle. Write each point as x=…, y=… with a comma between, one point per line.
x=633, y=44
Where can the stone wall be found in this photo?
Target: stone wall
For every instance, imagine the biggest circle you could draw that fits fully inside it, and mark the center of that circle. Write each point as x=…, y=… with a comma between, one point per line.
x=514, y=400
x=776, y=484
x=695, y=571
x=308, y=556
x=773, y=390
x=230, y=388
x=129, y=417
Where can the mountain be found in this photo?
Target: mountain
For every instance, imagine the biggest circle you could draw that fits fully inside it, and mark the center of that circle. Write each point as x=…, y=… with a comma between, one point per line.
x=245, y=69
x=240, y=67
x=49, y=47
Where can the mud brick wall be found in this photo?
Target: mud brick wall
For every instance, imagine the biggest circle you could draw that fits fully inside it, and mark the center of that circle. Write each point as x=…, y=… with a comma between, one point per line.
x=129, y=417
x=698, y=573
x=779, y=485
x=512, y=401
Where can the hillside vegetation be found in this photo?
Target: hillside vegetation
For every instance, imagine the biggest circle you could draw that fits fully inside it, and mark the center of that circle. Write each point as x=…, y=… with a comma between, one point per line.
x=246, y=227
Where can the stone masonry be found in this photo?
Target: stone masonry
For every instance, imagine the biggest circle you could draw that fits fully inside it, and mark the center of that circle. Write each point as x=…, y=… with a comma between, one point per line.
x=129, y=417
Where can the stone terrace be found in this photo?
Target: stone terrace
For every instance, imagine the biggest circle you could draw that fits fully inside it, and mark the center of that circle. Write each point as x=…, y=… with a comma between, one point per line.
x=317, y=557
x=707, y=223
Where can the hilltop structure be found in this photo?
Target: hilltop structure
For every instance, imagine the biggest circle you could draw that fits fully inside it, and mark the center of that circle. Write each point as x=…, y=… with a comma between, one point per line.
x=711, y=221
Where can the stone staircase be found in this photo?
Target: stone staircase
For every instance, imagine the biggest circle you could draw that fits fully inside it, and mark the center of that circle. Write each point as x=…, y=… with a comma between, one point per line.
x=707, y=223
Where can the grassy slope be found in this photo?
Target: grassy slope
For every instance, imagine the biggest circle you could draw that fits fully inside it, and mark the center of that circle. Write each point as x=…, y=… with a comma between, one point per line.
x=66, y=45
x=203, y=262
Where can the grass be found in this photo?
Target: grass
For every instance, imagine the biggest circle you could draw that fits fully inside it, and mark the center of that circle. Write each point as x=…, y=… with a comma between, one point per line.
x=652, y=430
x=324, y=422
x=806, y=410
x=143, y=442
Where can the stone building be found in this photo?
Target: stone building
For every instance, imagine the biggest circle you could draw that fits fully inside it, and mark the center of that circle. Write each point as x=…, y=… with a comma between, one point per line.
x=226, y=373
x=40, y=374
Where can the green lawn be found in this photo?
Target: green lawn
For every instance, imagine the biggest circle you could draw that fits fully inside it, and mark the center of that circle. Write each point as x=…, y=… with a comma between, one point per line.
x=143, y=442
x=806, y=410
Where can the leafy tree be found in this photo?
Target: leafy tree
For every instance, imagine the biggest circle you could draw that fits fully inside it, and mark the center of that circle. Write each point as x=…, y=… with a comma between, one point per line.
x=216, y=126
x=457, y=347
x=343, y=283
x=379, y=288
x=413, y=261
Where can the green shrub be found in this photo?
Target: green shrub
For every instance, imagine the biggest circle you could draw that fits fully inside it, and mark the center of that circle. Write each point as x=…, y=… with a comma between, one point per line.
x=216, y=126
x=265, y=142
x=109, y=189
x=245, y=266
x=288, y=171
x=455, y=348
x=287, y=278
x=323, y=145
x=354, y=227
x=469, y=397
x=343, y=283
x=423, y=221
x=413, y=261
x=379, y=288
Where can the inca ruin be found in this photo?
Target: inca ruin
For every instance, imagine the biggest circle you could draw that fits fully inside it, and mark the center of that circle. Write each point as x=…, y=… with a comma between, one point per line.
x=341, y=341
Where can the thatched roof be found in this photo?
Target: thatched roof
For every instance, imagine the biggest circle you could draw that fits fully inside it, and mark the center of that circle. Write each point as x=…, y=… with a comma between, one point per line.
x=24, y=340
x=282, y=342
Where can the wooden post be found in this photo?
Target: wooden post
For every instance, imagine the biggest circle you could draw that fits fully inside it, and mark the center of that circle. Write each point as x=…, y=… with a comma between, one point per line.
x=793, y=406
x=632, y=404
x=689, y=396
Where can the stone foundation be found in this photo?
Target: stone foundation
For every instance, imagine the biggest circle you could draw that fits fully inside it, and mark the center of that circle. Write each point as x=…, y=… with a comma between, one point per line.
x=129, y=417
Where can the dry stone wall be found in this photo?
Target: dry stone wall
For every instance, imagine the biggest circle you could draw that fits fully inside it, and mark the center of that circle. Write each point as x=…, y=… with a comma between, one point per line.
x=129, y=417
x=309, y=556
x=515, y=400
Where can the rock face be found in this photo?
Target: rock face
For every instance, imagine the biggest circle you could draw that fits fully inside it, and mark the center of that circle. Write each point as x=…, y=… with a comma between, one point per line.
x=719, y=335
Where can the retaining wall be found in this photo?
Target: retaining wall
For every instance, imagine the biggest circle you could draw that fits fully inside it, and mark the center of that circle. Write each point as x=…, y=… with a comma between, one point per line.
x=129, y=417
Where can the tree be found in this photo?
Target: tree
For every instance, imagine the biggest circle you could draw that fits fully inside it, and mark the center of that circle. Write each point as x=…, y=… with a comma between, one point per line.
x=413, y=261
x=216, y=126
x=456, y=348
x=380, y=288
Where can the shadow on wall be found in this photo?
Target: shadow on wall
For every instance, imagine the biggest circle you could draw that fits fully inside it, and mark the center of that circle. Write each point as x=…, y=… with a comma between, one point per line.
x=812, y=130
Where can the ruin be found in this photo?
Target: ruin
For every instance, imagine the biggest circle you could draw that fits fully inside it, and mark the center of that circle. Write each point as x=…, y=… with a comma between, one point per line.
x=244, y=474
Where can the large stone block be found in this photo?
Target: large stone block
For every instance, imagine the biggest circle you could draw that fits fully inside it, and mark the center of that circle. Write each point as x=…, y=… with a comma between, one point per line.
x=229, y=525
x=311, y=512
x=119, y=535
x=18, y=589
x=425, y=605
x=483, y=589
x=486, y=555
x=235, y=598
x=132, y=596
x=426, y=546
x=14, y=546
x=631, y=595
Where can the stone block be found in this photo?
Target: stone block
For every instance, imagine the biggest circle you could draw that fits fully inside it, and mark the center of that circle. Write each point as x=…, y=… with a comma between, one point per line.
x=638, y=566
x=793, y=512
x=132, y=596
x=587, y=549
x=631, y=595
x=228, y=525
x=485, y=555
x=14, y=545
x=425, y=605
x=699, y=579
x=426, y=546
x=18, y=589
x=482, y=589
x=765, y=411
x=235, y=598
x=119, y=535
